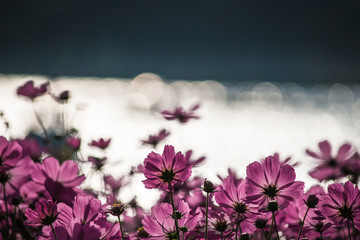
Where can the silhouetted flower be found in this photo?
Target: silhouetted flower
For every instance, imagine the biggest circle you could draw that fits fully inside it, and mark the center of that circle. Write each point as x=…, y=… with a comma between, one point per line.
x=45, y=213
x=101, y=143
x=30, y=91
x=180, y=114
x=154, y=140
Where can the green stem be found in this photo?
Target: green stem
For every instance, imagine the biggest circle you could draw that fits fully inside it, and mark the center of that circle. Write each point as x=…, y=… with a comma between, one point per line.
x=277, y=233
x=7, y=212
x=302, y=223
x=271, y=227
x=348, y=225
x=53, y=230
x=264, y=233
x=320, y=235
x=174, y=212
x=221, y=235
x=206, y=215
x=354, y=229
x=121, y=230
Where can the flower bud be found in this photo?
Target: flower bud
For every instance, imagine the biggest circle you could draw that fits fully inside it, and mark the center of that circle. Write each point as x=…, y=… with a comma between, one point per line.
x=273, y=206
x=260, y=223
x=312, y=201
x=208, y=186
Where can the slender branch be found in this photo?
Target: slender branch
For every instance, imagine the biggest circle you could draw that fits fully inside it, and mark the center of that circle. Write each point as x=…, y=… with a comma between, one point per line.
x=7, y=212
x=206, y=215
x=121, y=230
x=348, y=225
x=174, y=212
x=40, y=122
x=53, y=230
x=221, y=235
x=271, y=227
x=237, y=226
x=354, y=229
x=13, y=223
x=302, y=223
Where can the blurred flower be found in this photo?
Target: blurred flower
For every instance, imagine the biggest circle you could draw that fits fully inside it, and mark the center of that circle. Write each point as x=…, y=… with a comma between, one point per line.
x=30, y=91
x=101, y=143
x=63, y=97
x=165, y=169
x=154, y=140
x=73, y=142
x=98, y=163
x=45, y=213
x=180, y=114
x=10, y=153
x=330, y=166
x=269, y=180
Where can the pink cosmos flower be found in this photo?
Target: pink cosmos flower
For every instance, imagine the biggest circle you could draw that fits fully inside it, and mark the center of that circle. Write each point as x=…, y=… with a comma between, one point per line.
x=59, y=181
x=101, y=143
x=45, y=213
x=161, y=224
x=154, y=140
x=269, y=180
x=165, y=169
x=330, y=166
x=30, y=91
x=341, y=204
x=10, y=153
x=230, y=195
x=98, y=163
x=180, y=114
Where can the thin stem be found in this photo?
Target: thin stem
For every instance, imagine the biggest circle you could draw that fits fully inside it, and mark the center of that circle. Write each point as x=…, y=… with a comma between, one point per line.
x=7, y=212
x=121, y=230
x=13, y=223
x=237, y=226
x=174, y=212
x=277, y=233
x=271, y=227
x=354, y=230
x=41, y=123
x=320, y=235
x=302, y=223
x=221, y=235
x=264, y=233
x=348, y=225
x=53, y=230
x=206, y=215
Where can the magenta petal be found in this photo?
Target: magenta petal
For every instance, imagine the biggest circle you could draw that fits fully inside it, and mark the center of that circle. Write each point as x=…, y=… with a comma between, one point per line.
x=51, y=167
x=343, y=152
x=68, y=171
x=325, y=149
x=168, y=156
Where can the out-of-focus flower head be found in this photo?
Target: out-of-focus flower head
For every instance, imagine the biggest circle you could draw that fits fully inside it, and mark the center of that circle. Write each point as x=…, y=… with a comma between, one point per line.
x=180, y=114
x=269, y=180
x=32, y=148
x=45, y=213
x=165, y=169
x=10, y=153
x=154, y=140
x=101, y=143
x=73, y=142
x=98, y=163
x=329, y=167
x=63, y=97
x=194, y=162
x=30, y=91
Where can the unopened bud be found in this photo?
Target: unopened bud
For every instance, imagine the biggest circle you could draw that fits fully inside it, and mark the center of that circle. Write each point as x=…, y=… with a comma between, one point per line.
x=273, y=206
x=312, y=201
x=208, y=186
x=260, y=223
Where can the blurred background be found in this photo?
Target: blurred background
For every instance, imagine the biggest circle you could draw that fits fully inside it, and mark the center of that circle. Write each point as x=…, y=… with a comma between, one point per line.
x=271, y=76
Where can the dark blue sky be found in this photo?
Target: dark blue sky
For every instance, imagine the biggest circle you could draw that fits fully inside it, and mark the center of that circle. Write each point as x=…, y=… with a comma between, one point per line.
x=301, y=41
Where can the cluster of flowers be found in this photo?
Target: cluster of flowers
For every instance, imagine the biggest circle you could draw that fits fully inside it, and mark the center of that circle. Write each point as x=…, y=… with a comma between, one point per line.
x=43, y=196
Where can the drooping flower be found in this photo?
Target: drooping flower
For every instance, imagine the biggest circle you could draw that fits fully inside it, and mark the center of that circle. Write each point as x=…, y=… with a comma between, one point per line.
x=341, y=204
x=45, y=213
x=154, y=140
x=180, y=114
x=161, y=222
x=10, y=153
x=269, y=180
x=30, y=91
x=165, y=169
x=101, y=143
x=330, y=166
